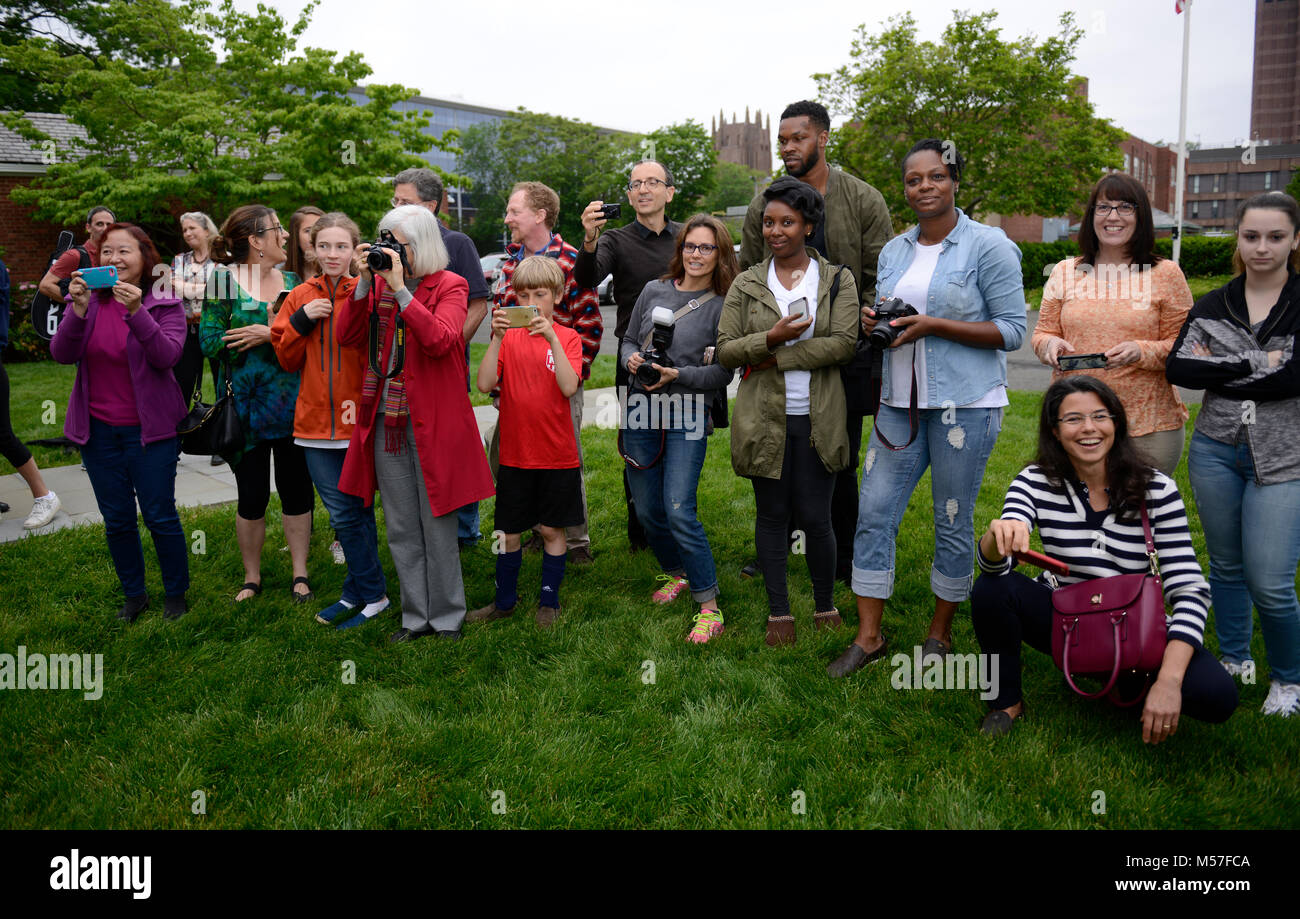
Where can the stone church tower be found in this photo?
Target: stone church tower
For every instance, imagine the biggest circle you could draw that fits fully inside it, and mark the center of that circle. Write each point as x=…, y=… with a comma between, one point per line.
x=749, y=144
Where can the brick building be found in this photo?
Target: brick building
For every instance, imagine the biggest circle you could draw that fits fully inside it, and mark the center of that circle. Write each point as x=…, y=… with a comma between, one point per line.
x=1220, y=179
x=743, y=142
x=24, y=242
x=1275, y=83
x=1155, y=167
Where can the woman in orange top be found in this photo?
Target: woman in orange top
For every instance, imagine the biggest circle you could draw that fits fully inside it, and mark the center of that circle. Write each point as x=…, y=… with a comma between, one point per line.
x=328, y=397
x=1121, y=300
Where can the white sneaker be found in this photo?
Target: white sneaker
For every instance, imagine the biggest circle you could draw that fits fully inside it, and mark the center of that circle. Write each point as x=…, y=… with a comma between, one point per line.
x=339, y=557
x=43, y=510
x=1283, y=699
x=1234, y=669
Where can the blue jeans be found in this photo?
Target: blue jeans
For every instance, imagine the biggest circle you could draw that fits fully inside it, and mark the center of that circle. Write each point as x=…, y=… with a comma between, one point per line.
x=467, y=522
x=121, y=470
x=1252, y=533
x=664, y=496
x=956, y=454
x=353, y=523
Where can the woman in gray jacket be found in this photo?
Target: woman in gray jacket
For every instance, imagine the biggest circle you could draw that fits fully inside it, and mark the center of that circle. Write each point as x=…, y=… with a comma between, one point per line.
x=668, y=351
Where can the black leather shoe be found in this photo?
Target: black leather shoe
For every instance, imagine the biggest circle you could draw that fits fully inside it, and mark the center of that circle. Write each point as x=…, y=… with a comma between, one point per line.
x=409, y=635
x=750, y=570
x=450, y=634
x=855, y=659
x=998, y=723
x=174, y=607
x=133, y=607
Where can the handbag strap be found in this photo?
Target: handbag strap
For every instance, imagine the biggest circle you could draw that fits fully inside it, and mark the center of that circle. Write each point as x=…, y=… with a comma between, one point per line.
x=1152, y=559
x=690, y=307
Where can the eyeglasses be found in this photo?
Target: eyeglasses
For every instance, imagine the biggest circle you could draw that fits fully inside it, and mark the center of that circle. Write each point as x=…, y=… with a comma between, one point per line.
x=650, y=184
x=702, y=248
x=1125, y=209
x=1074, y=419
x=402, y=202
x=277, y=228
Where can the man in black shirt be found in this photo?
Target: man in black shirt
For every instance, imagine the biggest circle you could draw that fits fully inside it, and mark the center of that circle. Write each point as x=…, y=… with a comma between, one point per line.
x=635, y=254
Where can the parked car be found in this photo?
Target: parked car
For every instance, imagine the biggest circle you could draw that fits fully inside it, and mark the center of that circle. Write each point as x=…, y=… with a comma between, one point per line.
x=606, y=290
x=492, y=267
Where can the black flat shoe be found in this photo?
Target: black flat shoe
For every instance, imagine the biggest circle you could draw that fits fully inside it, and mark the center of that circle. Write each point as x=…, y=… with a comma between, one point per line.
x=854, y=658
x=408, y=635
x=998, y=723
x=174, y=607
x=301, y=598
x=133, y=607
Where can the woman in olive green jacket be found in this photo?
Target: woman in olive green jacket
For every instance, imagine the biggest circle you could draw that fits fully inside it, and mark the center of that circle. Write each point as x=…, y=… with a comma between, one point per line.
x=787, y=435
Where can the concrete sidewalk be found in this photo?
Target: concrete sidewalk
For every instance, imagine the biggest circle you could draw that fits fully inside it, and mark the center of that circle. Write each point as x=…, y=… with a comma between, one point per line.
x=198, y=483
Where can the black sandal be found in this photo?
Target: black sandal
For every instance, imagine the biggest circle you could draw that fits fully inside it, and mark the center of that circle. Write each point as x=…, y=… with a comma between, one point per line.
x=248, y=585
x=301, y=598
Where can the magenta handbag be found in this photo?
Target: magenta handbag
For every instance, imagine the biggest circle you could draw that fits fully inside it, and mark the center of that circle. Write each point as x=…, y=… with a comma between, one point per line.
x=1106, y=625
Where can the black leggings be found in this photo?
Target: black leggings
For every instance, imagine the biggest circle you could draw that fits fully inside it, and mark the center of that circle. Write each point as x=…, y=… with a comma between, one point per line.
x=10, y=446
x=802, y=494
x=292, y=481
x=1011, y=608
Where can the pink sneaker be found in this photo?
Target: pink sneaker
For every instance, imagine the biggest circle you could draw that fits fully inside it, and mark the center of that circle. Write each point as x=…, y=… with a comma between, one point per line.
x=668, y=593
x=708, y=622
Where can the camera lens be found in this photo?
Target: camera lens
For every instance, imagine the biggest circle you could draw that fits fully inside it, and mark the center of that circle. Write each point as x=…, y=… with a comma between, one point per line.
x=647, y=374
x=378, y=260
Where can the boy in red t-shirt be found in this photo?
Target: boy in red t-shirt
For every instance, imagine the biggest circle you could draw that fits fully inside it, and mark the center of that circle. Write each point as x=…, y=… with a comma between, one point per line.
x=536, y=366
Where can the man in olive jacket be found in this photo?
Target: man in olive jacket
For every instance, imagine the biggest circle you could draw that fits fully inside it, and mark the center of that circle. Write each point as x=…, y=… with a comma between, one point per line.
x=856, y=229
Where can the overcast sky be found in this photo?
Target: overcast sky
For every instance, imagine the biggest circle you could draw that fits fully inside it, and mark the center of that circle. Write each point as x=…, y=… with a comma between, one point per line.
x=640, y=66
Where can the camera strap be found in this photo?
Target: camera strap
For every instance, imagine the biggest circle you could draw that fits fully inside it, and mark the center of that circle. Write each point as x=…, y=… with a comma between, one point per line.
x=877, y=378
x=399, y=342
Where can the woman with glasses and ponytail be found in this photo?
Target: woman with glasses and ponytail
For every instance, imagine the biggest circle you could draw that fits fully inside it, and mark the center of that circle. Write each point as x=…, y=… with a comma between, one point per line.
x=236, y=331
x=1114, y=311
x=415, y=438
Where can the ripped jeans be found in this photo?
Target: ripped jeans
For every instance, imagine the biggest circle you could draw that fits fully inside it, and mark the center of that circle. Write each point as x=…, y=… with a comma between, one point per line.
x=956, y=454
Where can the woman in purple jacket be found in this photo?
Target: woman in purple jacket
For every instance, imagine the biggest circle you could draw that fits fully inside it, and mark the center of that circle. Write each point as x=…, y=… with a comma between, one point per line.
x=124, y=409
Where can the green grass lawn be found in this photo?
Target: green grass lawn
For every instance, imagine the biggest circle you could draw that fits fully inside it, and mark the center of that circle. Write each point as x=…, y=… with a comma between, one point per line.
x=567, y=728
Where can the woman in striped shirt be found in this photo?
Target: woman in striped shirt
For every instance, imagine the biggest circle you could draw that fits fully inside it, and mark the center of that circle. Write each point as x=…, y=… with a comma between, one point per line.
x=1084, y=492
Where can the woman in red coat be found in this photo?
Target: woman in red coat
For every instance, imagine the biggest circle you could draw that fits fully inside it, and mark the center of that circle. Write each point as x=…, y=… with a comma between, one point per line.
x=415, y=437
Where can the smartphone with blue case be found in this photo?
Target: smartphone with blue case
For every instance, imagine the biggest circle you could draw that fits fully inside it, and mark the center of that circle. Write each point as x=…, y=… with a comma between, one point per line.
x=98, y=278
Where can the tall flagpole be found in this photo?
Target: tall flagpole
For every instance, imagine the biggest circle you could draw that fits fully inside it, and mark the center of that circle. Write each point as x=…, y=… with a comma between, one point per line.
x=1179, y=186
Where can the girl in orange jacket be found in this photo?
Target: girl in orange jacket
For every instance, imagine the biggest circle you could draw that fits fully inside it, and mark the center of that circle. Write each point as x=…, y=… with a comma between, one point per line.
x=328, y=397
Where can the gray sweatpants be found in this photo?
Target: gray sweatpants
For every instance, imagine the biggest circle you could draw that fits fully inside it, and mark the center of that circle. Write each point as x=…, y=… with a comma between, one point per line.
x=424, y=548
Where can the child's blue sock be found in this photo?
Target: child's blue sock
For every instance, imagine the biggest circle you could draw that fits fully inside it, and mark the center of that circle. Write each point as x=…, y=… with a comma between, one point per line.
x=508, y=565
x=552, y=575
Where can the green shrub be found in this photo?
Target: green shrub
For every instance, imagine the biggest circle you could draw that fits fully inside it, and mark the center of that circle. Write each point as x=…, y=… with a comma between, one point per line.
x=1201, y=256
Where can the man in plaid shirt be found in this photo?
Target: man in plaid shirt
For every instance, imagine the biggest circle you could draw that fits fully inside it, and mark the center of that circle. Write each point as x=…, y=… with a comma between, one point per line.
x=531, y=213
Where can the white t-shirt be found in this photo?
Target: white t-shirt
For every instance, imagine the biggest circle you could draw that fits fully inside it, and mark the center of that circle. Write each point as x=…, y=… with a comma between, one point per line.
x=796, y=381
x=913, y=288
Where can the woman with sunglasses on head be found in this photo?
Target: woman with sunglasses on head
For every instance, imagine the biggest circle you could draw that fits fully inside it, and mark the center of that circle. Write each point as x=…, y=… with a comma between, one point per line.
x=1122, y=301
x=236, y=330
x=943, y=391
x=415, y=439
x=124, y=409
x=783, y=326
x=1085, y=492
x=328, y=396
x=1240, y=346
x=665, y=435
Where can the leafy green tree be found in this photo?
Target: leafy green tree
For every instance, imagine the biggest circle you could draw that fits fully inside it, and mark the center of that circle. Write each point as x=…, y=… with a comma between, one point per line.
x=1012, y=108
x=734, y=186
x=215, y=108
x=1293, y=189
x=687, y=149
x=579, y=161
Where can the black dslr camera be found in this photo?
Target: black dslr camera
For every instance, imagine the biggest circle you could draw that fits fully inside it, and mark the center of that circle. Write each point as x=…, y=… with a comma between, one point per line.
x=661, y=339
x=883, y=335
x=377, y=258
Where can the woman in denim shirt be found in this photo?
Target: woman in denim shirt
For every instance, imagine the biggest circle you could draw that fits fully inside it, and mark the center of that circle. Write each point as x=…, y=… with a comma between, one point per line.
x=963, y=279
